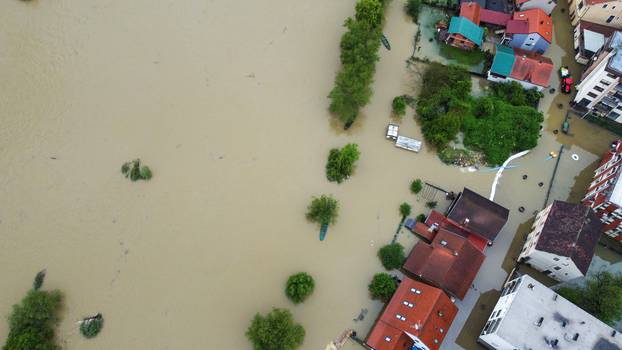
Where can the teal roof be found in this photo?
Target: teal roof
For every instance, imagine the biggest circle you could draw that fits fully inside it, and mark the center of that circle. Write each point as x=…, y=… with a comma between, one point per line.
x=468, y=29
x=504, y=61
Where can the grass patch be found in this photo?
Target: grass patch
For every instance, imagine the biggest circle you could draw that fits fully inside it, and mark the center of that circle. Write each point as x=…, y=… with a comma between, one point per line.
x=464, y=57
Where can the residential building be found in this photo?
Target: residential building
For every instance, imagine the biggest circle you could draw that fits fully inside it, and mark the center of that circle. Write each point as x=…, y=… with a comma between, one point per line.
x=604, y=194
x=477, y=215
x=589, y=38
x=464, y=31
x=599, y=91
x=545, y=5
x=528, y=315
x=530, y=70
x=505, y=6
x=604, y=12
x=530, y=30
x=428, y=229
x=450, y=262
x=562, y=241
x=417, y=318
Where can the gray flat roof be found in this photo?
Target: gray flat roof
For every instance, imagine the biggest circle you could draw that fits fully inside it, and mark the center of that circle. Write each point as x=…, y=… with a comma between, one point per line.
x=562, y=321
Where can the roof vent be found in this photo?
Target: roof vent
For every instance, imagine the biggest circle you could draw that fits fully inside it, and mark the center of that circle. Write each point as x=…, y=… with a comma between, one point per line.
x=576, y=336
x=613, y=334
x=443, y=243
x=387, y=339
x=455, y=253
x=530, y=286
x=466, y=221
x=440, y=313
x=555, y=297
x=539, y=322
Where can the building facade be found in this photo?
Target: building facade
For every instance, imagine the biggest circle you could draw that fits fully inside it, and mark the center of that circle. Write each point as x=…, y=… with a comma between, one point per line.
x=528, y=315
x=600, y=92
x=607, y=13
x=604, y=194
x=562, y=241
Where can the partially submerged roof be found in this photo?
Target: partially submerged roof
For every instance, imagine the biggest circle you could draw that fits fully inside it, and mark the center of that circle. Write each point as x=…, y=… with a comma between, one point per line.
x=424, y=311
x=537, y=21
x=466, y=28
x=478, y=214
x=571, y=230
x=532, y=68
x=450, y=262
x=503, y=61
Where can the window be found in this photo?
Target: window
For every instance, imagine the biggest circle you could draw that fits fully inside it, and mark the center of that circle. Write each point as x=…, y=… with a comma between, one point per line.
x=609, y=74
x=407, y=304
x=400, y=317
x=598, y=88
x=592, y=95
x=605, y=82
x=610, y=19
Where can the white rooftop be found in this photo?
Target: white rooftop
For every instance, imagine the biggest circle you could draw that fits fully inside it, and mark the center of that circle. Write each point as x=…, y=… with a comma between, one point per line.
x=616, y=193
x=562, y=322
x=593, y=41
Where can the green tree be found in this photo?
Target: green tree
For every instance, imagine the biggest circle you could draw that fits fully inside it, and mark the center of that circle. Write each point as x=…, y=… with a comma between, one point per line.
x=275, y=331
x=412, y=8
x=601, y=296
x=392, y=256
x=299, y=286
x=134, y=171
x=405, y=209
x=32, y=321
x=399, y=105
x=431, y=204
x=340, y=164
x=323, y=210
x=91, y=326
x=421, y=218
x=416, y=186
x=370, y=12
x=382, y=287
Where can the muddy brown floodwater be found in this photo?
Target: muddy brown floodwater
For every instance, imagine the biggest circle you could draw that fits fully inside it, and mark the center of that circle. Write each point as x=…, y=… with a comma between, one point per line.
x=226, y=102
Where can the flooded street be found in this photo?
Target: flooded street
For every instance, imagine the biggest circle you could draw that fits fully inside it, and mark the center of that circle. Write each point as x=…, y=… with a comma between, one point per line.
x=226, y=102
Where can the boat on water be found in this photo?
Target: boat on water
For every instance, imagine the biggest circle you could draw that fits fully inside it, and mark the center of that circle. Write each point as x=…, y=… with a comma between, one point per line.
x=323, y=230
x=385, y=42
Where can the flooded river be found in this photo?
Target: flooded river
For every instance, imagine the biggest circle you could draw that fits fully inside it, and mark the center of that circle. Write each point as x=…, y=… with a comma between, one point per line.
x=226, y=102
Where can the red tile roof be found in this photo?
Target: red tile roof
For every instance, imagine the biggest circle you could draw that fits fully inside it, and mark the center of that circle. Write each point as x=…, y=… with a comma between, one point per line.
x=532, y=68
x=427, y=311
x=470, y=11
x=442, y=222
x=537, y=22
x=451, y=262
x=424, y=231
x=494, y=17
x=478, y=215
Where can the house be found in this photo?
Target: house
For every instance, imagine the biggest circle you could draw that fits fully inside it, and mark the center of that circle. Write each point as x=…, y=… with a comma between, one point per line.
x=450, y=262
x=599, y=92
x=477, y=215
x=530, y=70
x=503, y=6
x=417, y=317
x=530, y=30
x=589, y=38
x=435, y=221
x=545, y=5
x=464, y=31
x=603, y=12
x=528, y=315
x=604, y=194
x=562, y=241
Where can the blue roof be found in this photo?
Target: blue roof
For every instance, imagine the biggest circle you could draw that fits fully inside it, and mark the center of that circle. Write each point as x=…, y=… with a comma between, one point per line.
x=504, y=61
x=466, y=28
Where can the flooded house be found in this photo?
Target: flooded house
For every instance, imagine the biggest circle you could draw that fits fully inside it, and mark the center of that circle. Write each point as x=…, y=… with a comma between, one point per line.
x=418, y=316
x=466, y=36
x=589, y=38
x=562, y=241
x=530, y=30
x=528, y=315
x=530, y=70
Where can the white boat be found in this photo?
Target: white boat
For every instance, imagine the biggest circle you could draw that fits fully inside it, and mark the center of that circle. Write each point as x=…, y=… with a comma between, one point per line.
x=393, y=131
x=408, y=143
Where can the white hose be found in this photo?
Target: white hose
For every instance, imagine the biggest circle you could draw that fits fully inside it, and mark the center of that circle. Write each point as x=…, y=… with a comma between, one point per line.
x=498, y=175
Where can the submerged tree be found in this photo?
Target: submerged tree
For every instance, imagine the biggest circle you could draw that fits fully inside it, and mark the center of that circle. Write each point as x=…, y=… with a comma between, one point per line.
x=275, y=331
x=133, y=171
x=601, y=296
x=91, y=326
x=392, y=256
x=341, y=162
x=299, y=286
x=382, y=287
x=399, y=106
x=405, y=209
x=416, y=186
x=323, y=210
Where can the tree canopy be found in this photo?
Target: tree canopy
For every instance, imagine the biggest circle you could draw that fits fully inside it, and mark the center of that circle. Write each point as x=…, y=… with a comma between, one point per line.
x=323, y=210
x=392, y=256
x=299, y=286
x=416, y=186
x=405, y=209
x=275, y=331
x=340, y=164
x=601, y=296
x=382, y=286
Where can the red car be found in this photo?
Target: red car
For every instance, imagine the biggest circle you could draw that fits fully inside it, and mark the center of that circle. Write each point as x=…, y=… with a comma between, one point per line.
x=566, y=85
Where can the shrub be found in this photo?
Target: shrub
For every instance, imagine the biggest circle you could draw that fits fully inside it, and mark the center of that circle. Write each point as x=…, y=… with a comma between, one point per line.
x=382, y=287
x=405, y=209
x=145, y=173
x=399, y=106
x=323, y=210
x=340, y=164
x=32, y=322
x=299, y=287
x=416, y=186
x=392, y=256
x=431, y=204
x=421, y=217
x=275, y=331
x=91, y=326
x=412, y=8
x=134, y=171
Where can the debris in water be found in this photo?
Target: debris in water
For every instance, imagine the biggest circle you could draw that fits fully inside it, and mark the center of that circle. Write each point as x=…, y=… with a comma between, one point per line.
x=361, y=316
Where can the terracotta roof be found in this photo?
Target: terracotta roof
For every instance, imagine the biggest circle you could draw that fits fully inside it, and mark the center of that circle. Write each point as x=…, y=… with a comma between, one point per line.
x=451, y=262
x=537, y=22
x=470, y=11
x=595, y=2
x=427, y=314
x=571, y=230
x=532, y=68
x=478, y=215
x=441, y=221
x=494, y=17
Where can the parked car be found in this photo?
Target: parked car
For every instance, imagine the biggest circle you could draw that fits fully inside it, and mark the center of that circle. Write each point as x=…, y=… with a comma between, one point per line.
x=566, y=80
